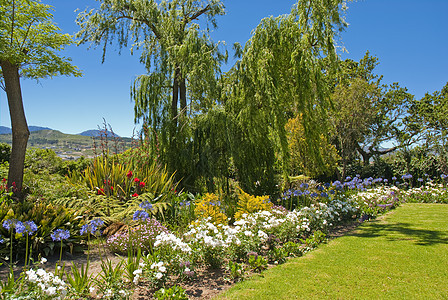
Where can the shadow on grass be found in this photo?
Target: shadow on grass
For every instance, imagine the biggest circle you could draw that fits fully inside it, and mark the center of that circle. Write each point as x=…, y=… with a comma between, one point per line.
x=402, y=231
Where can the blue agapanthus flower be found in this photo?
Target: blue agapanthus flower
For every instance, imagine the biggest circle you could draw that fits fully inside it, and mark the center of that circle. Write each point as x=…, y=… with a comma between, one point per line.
x=146, y=205
x=60, y=235
x=140, y=215
x=92, y=227
x=29, y=227
x=10, y=224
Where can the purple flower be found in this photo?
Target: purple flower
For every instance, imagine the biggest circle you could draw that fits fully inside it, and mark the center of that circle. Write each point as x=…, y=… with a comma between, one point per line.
x=406, y=176
x=29, y=227
x=10, y=224
x=60, y=234
x=92, y=227
x=140, y=215
x=146, y=205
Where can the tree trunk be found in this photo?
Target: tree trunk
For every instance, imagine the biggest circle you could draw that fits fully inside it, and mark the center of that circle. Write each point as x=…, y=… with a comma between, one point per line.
x=183, y=97
x=175, y=99
x=20, y=132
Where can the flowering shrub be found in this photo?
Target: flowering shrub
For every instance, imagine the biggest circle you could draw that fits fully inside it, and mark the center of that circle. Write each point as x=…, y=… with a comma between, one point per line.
x=142, y=236
x=428, y=193
x=210, y=207
x=40, y=285
x=249, y=204
x=210, y=241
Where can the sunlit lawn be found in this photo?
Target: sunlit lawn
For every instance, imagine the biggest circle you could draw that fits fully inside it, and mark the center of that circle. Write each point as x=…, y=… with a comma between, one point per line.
x=403, y=255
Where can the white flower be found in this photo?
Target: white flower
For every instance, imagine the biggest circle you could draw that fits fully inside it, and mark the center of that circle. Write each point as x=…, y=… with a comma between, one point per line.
x=136, y=279
x=162, y=269
x=108, y=293
x=248, y=233
x=51, y=290
x=43, y=260
x=137, y=272
x=31, y=275
x=262, y=235
x=159, y=275
x=91, y=289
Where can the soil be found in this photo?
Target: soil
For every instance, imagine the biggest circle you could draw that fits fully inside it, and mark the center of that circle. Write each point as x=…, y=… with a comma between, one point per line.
x=206, y=284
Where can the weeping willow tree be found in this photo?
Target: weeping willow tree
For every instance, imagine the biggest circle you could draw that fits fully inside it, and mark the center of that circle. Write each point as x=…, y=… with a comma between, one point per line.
x=181, y=60
x=282, y=72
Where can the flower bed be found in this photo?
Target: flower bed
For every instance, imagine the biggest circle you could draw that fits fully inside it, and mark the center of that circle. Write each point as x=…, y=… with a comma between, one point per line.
x=160, y=259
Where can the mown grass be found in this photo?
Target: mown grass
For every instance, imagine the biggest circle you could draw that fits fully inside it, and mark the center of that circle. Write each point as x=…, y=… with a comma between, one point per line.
x=402, y=255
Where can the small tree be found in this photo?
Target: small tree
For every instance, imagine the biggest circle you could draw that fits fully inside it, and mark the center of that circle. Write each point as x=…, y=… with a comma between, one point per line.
x=28, y=44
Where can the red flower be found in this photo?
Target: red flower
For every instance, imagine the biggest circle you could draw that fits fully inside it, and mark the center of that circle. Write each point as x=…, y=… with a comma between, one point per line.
x=135, y=195
x=136, y=180
x=142, y=184
x=129, y=175
x=4, y=180
x=111, y=188
x=101, y=192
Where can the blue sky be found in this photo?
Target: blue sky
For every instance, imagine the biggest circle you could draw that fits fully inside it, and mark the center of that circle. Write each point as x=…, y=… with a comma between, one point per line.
x=408, y=37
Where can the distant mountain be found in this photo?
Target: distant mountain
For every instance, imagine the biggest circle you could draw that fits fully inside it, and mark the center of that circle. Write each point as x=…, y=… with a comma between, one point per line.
x=97, y=133
x=7, y=130
x=37, y=128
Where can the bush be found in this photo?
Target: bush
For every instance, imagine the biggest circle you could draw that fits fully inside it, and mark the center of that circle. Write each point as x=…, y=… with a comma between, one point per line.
x=249, y=204
x=5, y=152
x=42, y=161
x=210, y=207
x=139, y=237
x=48, y=217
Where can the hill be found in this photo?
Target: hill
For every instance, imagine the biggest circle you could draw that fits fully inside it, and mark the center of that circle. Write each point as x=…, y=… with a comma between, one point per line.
x=7, y=130
x=67, y=146
x=97, y=133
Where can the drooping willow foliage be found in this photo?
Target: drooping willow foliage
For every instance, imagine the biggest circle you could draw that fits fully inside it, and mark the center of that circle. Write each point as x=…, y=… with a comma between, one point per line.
x=283, y=72
x=211, y=127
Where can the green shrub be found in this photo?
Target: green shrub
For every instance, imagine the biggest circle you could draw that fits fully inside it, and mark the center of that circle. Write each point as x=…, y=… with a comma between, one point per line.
x=5, y=152
x=42, y=161
x=48, y=217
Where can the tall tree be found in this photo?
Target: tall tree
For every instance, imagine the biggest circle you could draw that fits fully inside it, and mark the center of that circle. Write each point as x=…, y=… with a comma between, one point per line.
x=182, y=63
x=367, y=114
x=29, y=41
x=282, y=73
x=430, y=114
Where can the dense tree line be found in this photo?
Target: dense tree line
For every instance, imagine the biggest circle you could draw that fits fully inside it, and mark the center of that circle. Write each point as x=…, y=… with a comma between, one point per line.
x=289, y=105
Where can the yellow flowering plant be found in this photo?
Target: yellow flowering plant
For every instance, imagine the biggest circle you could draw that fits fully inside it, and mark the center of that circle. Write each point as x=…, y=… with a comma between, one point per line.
x=248, y=204
x=210, y=206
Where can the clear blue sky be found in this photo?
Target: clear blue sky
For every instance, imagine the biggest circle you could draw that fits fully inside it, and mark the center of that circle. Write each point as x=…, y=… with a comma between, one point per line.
x=408, y=36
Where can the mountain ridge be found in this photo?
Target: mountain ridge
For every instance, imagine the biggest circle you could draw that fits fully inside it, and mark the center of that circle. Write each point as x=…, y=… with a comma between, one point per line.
x=89, y=133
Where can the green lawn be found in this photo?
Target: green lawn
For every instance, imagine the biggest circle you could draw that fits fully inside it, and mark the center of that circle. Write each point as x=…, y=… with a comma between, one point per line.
x=402, y=255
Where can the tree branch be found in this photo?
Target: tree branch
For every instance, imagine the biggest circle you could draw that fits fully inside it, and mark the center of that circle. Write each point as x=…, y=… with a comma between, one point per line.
x=196, y=14
x=146, y=22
